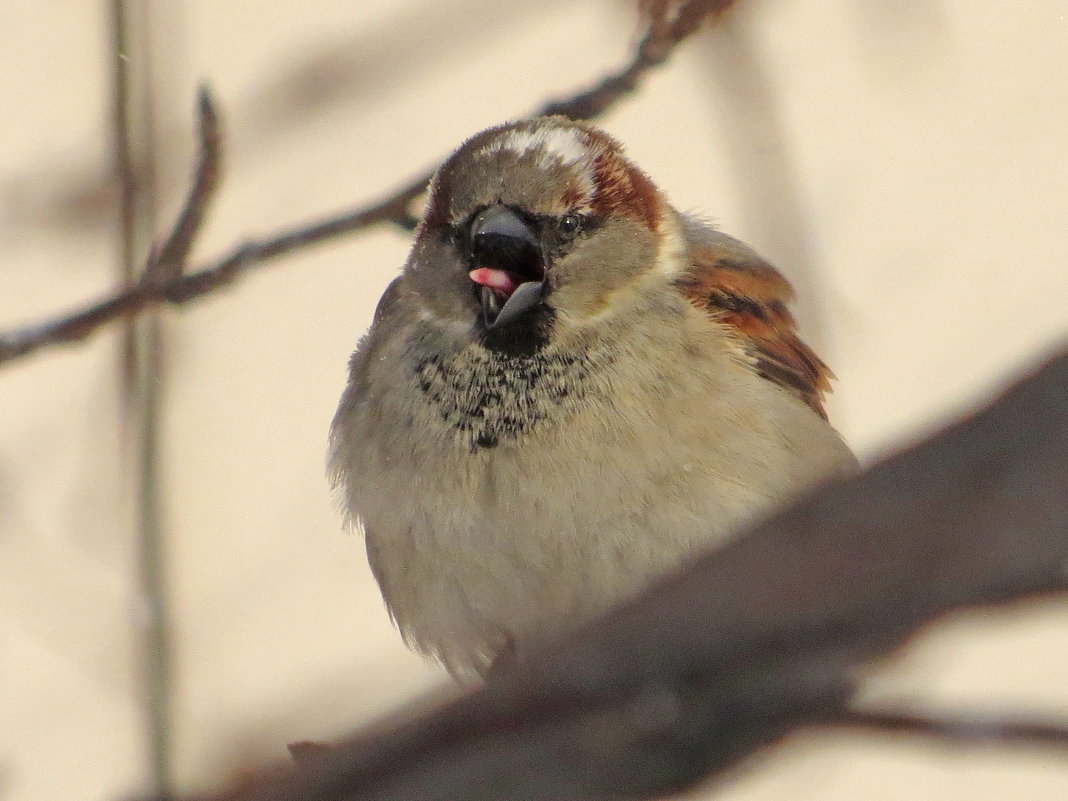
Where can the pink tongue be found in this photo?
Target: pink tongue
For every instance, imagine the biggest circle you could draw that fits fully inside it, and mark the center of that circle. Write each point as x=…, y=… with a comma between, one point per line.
x=494, y=279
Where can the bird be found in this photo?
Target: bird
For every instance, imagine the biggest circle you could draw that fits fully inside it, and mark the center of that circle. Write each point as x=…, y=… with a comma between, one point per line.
x=570, y=389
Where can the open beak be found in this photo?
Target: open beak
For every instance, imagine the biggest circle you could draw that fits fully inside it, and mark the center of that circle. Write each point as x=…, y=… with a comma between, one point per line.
x=507, y=265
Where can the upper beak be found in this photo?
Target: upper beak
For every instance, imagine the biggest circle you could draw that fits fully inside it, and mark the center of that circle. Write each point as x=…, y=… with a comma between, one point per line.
x=508, y=263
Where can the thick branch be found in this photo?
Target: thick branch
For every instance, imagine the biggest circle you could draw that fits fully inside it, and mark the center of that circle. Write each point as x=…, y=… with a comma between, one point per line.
x=748, y=642
x=166, y=282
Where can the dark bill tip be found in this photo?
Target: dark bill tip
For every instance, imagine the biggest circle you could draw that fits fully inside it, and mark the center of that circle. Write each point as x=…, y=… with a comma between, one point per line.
x=526, y=297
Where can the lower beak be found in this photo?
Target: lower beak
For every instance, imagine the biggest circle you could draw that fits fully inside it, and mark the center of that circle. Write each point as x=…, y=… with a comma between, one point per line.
x=525, y=297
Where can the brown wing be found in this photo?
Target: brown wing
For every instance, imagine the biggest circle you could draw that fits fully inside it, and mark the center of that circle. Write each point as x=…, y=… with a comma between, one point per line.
x=741, y=290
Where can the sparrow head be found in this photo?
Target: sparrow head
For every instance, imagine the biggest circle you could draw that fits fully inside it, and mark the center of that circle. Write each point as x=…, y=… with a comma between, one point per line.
x=532, y=226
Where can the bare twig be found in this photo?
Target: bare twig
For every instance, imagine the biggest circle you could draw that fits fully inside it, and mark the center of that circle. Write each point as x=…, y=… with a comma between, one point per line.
x=164, y=279
x=748, y=642
x=661, y=37
x=966, y=730
x=162, y=276
x=170, y=262
x=143, y=375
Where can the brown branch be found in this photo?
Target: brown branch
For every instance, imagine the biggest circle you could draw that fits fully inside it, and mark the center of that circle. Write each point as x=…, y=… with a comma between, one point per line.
x=171, y=259
x=976, y=729
x=165, y=282
x=661, y=37
x=748, y=642
x=164, y=270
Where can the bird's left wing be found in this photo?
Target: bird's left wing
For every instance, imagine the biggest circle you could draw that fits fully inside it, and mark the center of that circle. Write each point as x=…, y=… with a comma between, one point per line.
x=740, y=290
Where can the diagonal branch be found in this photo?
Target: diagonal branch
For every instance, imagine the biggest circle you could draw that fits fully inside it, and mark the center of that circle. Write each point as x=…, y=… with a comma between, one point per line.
x=749, y=642
x=662, y=36
x=166, y=280
x=165, y=267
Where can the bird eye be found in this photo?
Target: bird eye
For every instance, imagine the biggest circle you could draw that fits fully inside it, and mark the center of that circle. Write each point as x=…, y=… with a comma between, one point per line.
x=570, y=224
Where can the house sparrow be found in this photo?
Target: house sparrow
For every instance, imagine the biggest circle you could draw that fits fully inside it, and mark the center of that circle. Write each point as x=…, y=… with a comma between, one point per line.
x=570, y=389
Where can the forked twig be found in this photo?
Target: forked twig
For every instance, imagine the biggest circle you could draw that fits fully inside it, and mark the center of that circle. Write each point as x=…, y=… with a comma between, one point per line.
x=165, y=267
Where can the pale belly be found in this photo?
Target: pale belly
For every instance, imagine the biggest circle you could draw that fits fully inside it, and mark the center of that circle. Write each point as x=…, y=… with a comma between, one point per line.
x=502, y=546
x=517, y=500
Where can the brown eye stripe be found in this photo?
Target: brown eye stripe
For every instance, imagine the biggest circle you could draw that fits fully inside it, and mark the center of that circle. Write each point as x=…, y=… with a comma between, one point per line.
x=624, y=189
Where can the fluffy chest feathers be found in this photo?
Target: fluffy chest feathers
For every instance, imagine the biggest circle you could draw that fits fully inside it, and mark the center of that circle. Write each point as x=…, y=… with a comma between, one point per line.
x=504, y=496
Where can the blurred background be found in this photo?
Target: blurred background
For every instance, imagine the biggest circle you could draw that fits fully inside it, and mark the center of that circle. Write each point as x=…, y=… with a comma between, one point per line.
x=902, y=162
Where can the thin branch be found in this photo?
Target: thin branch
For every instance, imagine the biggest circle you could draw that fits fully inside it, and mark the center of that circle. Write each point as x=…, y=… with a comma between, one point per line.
x=165, y=281
x=975, y=729
x=171, y=259
x=163, y=273
x=661, y=37
x=132, y=59
x=747, y=643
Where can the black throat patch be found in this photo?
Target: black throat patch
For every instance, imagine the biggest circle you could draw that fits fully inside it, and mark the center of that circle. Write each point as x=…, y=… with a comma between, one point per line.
x=527, y=336
x=488, y=397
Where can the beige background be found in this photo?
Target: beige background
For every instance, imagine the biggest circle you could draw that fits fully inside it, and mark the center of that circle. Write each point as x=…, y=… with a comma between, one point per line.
x=903, y=162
